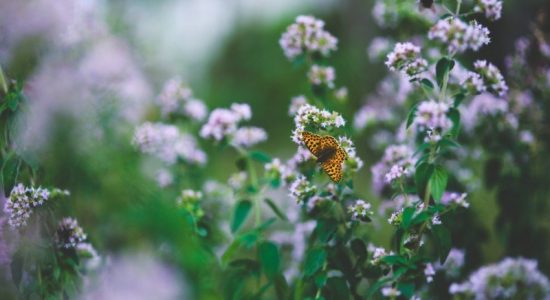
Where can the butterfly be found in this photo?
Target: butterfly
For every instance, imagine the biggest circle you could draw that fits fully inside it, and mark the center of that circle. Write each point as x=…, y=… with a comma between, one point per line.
x=328, y=153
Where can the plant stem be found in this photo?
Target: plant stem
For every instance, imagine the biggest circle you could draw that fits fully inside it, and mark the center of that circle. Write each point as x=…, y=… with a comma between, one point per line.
x=3, y=83
x=443, y=90
x=458, y=3
x=254, y=183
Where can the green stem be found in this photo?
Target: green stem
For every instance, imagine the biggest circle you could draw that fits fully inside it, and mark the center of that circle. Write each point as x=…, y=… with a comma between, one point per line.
x=458, y=3
x=3, y=83
x=254, y=183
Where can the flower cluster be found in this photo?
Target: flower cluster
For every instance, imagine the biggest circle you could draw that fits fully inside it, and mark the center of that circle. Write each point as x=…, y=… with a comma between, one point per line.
x=321, y=76
x=400, y=155
x=311, y=116
x=307, y=35
x=484, y=105
x=360, y=210
x=512, y=278
x=189, y=200
x=177, y=99
x=491, y=8
x=69, y=234
x=459, y=35
x=224, y=124
x=353, y=162
x=473, y=83
x=301, y=189
x=405, y=57
x=492, y=78
x=167, y=143
x=432, y=115
x=276, y=170
x=455, y=199
x=397, y=172
x=295, y=104
x=23, y=200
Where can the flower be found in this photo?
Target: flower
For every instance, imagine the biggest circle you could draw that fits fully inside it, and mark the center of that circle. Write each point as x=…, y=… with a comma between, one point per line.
x=248, y=136
x=164, y=178
x=459, y=35
x=473, y=83
x=390, y=292
x=189, y=200
x=512, y=278
x=223, y=123
x=492, y=77
x=301, y=189
x=393, y=155
x=23, y=200
x=69, y=234
x=429, y=272
x=377, y=253
x=432, y=115
x=176, y=98
x=379, y=47
x=353, y=163
x=311, y=116
x=396, y=172
x=237, y=180
x=481, y=106
x=491, y=8
x=360, y=210
x=405, y=57
x=167, y=143
x=449, y=198
x=320, y=75
x=396, y=217
x=295, y=104
x=275, y=169
x=307, y=35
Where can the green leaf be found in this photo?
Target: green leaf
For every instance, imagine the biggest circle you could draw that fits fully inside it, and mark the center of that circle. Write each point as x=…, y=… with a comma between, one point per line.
x=281, y=286
x=315, y=259
x=407, y=289
x=269, y=258
x=406, y=217
x=231, y=249
x=376, y=286
x=427, y=86
x=458, y=99
x=260, y=156
x=320, y=280
x=241, y=212
x=422, y=175
x=442, y=68
x=276, y=209
x=412, y=114
x=443, y=241
x=394, y=260
x=358, y=247
x=438, y=183
x=445, y=143
x=454, y=115
x=420, y=218
x=265, y=225
x=338, y=288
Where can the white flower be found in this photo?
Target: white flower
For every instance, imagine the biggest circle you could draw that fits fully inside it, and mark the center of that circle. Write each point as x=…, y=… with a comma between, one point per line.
x=23, y=200
x=167, y=143
x=455, y=198
x=221, y=123
x=396, y=172
x=307, y=35
x=474, y=83
x=390, y=292
x=379, y=47
x=320, y=75
x=360, y=210
x=309, y=115
x=432, y=115
x=458, y=35
x=405, y=57
x=195, y=109
x=429, y=272
x=237, y=180
x=242, y=110
x=69, y=234
x=512, y=278
x=491, y=8
x=164, y=178
x=436, y=220
x=295, y=104
x=301, y=189
x=393, y=155
x=492, y=77
x=248, y=136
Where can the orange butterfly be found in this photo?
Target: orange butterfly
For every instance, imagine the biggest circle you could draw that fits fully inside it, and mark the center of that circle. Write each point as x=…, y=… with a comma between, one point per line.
x=328, y=153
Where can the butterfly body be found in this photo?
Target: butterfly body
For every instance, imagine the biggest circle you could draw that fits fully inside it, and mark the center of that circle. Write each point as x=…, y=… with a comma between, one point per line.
x=328, y=153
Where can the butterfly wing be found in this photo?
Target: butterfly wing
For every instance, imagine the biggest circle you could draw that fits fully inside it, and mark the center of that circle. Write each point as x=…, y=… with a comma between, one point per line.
x=312, y=142
x=333, y=165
